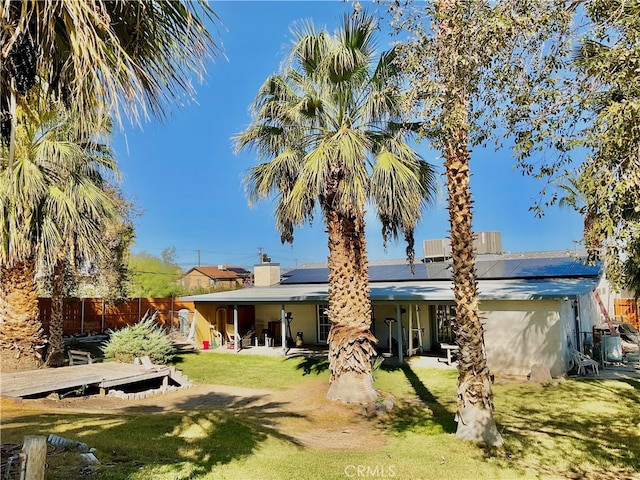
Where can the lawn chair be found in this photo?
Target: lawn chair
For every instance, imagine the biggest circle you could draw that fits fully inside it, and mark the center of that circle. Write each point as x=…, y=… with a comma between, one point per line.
x=234, y=339
x=582, y=362
x=216, y=337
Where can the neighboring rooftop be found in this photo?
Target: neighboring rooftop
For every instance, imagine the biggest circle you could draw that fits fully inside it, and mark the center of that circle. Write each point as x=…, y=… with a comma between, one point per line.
x=221, y=271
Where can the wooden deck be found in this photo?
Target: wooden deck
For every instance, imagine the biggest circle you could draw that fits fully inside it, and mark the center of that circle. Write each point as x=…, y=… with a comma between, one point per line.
x=103, y=375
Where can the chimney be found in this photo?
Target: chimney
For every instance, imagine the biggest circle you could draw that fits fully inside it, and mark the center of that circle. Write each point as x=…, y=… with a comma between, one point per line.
x=266, y=274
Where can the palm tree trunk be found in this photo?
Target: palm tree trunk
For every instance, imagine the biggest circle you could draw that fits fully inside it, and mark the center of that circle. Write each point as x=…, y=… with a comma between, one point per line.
x=474, y=412
x=351, y=343
x=55, y=353
x=475, y=399
x=21, y=331
x=592, y=237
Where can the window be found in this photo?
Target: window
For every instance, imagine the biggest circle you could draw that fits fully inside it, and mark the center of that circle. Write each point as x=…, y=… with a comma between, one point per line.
x=324, y=324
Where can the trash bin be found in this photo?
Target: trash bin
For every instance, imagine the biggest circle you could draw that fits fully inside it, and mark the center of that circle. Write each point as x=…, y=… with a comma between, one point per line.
x=205, y=344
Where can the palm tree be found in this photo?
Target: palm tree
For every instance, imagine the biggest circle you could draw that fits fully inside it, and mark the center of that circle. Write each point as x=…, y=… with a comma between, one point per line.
x=328, y=128
x=136, y=56
x=54, y=208
x=576, y=188
x=475, y=399
x=96, y=59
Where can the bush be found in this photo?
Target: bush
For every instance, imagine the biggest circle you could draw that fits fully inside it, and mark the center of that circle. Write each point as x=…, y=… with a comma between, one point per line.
x=145, y=338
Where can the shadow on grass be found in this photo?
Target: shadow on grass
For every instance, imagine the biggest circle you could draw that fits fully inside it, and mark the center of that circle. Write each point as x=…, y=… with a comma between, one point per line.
x=316, y=364
x=424, y=414
x=319, y=364
x=185, y=440
x=591, y=431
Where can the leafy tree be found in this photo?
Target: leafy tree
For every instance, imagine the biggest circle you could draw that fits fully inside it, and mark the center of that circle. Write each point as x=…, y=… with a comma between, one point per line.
x=152, y=276
x=109, y=275
x=607, y=65
x=469, y=62
x=329, y=128
x=597, y=110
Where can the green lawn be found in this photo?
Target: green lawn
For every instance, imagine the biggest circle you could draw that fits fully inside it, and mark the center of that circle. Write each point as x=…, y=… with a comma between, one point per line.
x=587, y=428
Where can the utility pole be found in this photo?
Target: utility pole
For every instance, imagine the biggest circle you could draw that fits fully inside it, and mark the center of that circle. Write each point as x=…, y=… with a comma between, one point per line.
x=198, y=256
x=260, y=255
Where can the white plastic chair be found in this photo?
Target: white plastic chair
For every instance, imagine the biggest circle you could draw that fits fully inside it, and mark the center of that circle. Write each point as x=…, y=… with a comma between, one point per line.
x=581, y=362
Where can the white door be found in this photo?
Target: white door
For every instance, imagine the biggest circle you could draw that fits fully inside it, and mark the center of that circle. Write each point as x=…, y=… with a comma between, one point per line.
x=324, y=325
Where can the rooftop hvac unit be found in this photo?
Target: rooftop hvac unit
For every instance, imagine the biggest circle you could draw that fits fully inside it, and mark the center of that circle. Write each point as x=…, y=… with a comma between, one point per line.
x=487, y=242
x=483, y=243
x=440, y=248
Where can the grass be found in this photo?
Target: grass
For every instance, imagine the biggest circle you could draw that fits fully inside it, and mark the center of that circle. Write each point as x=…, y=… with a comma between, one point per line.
x=586, y=428
x=250, y=371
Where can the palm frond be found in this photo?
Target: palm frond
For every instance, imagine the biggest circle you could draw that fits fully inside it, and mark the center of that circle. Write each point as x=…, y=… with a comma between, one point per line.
x=330, y=133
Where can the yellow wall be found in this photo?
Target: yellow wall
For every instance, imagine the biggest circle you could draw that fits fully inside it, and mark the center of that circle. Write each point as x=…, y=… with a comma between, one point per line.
x=205, y=317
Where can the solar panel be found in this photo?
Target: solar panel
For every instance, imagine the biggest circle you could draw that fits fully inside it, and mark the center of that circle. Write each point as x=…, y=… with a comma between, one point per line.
x=307, y=275
x=486, y=269
x=535, y=268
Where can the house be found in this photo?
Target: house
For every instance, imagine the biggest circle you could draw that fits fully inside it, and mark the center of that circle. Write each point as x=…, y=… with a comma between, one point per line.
x=536, y=307
x=223, y=277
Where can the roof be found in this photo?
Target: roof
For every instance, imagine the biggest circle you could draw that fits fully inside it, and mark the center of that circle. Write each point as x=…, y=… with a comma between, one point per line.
x=551, y=275
x=429, y=291
x=508, y=266
x=215, y=272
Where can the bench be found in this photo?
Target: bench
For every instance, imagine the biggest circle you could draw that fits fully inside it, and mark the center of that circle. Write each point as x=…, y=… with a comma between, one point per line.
x=80, y=357
x=451, y=350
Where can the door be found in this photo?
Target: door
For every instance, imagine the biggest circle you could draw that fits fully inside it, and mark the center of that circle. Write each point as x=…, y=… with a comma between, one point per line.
x=324, y=325
x=444, y=316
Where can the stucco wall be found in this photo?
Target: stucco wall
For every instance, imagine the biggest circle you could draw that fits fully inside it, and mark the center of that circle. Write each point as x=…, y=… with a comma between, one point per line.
x=519, y=333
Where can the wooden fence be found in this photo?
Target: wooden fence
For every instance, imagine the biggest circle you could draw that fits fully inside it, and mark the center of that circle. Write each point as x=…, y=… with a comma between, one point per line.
x=627, y=309
x=95, y=315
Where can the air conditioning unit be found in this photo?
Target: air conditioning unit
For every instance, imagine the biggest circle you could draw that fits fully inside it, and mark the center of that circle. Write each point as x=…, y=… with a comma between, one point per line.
x=487, y=242
x=440, y=248
x=483, y=243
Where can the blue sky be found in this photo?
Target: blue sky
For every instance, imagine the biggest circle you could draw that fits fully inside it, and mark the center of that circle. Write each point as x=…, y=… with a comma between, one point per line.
x=186, y=180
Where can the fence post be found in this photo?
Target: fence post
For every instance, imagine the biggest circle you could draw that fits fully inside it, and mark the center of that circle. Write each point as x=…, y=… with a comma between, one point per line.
x=102, y=319
x=35, y=450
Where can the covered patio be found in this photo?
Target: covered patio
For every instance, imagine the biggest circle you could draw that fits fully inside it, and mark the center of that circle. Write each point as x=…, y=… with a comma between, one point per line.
x=526, y=320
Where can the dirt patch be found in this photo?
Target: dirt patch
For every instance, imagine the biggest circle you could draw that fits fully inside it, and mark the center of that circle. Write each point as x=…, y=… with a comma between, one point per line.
x=302, y=414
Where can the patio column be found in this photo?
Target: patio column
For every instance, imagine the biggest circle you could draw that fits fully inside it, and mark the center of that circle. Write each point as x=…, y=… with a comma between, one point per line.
x=400, y=346
x=237, y=344
x=410, y=329
x=283, y=330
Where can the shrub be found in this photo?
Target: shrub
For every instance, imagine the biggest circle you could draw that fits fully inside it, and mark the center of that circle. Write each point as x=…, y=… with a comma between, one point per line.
x=143, y=338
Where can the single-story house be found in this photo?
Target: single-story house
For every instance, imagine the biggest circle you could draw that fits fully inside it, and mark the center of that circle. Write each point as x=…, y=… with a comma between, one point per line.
x=221, y=276
x=536, y=307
